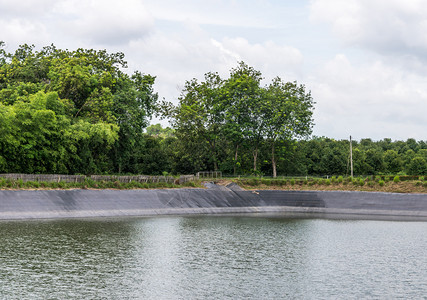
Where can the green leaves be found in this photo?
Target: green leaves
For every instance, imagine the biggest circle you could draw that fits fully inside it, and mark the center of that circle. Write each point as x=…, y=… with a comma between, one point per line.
x=237, y=114
x=67, y=110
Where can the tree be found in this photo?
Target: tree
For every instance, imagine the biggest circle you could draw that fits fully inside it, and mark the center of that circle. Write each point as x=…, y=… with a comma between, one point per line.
x=133, y=104
x=393, y=162
x=287, y=113
x=239, y=115
x=197, y=118
x=417, y=166
x=242, y=106
x=157, y=130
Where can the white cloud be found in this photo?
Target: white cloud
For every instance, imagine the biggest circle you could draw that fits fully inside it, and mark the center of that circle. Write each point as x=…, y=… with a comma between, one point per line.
x=25, y=8
x=372, y=100
x=105, y=22
x=241, y=13
x=19, y=31
x=386, y=26
x=179, y=57
x=272, y=59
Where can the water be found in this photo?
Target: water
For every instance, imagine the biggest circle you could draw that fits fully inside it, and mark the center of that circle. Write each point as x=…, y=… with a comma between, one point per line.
x=212, y=258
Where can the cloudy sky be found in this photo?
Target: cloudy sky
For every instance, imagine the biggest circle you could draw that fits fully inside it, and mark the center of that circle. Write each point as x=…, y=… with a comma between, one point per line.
x=365, y=61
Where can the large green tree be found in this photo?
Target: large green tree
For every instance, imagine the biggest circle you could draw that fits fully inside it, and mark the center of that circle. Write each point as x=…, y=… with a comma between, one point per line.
x=240, y=115
x=198, y=117
x=241, y=103
x=70, y=111
x=288, y=114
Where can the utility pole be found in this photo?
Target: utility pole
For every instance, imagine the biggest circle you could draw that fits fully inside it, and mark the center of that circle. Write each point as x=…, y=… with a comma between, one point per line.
x=351, y=158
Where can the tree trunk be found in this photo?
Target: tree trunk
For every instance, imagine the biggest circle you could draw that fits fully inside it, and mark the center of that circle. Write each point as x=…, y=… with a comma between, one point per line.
x=212, y=144
x=255, y=153
x=235, y=160
x=214, y=156
x=273, y=161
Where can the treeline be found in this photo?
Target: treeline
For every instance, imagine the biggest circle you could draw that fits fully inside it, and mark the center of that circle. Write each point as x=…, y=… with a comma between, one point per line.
x=79, y=112
x=317, y=156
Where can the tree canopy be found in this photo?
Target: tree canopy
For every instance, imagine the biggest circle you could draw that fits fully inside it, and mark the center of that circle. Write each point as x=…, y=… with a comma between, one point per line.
x=80, y=112
x=70, y=111
x=231, y=115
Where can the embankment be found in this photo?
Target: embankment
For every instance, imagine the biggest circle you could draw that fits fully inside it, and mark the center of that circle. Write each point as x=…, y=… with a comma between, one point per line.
x=215, y=200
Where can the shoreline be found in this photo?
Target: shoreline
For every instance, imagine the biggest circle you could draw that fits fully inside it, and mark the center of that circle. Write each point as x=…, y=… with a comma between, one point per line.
x=215, y=200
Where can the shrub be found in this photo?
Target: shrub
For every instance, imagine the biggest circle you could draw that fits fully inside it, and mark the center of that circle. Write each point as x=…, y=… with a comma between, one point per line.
x=117, y=185
x=161, y=184
x=396, y=179
x=61, y=184
x=340, y=179
x=361, y=182
x=381, y=182
x=292, y=181
x=252, y=181
x=88, y=181
x=19, y=183
x=377, y=178
x=305, y=182
x=333, y=179
x=421, y=178
x=36, y=184
x=28, y=184
x=386, y=178
x=267, y=182
x=370, y=183
x=327, y=182
x=191, y=184
x=418, y=183
x=276, y=182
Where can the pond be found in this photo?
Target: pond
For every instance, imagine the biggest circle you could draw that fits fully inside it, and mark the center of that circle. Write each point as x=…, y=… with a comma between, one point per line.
x=212, y=258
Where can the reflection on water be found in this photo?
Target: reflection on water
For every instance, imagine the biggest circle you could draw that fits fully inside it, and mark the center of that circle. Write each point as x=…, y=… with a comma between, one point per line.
x=187, y=258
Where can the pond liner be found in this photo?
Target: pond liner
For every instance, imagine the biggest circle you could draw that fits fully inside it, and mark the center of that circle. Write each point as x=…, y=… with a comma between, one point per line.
x=215, y=200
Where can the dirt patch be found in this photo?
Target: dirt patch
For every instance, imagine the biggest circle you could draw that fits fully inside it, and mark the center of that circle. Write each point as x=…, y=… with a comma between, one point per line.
x=390, y=187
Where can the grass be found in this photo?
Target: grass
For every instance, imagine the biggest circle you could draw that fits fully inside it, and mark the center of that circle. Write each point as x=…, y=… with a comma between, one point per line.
x=368, y=184
x=90, y=184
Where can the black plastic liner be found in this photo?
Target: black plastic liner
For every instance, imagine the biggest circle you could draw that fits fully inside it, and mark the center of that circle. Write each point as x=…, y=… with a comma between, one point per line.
x=25, y=204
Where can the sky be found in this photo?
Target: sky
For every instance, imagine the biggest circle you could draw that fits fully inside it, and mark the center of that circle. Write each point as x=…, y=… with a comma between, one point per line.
x=364, y=61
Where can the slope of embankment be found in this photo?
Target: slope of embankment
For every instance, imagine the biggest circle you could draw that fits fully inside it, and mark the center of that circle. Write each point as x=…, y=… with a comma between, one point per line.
x=215, y=200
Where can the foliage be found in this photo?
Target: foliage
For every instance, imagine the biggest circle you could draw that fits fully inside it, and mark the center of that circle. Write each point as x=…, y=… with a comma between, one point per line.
x=78, y=112
x=67, y=111
x=229, y=122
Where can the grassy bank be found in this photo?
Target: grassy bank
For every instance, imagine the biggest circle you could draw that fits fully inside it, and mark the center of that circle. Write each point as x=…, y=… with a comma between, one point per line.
x=8, y=184
x=391, y=184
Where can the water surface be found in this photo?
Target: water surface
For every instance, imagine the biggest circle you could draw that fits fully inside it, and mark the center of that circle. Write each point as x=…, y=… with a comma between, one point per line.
x=212, y=258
